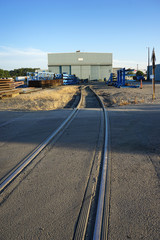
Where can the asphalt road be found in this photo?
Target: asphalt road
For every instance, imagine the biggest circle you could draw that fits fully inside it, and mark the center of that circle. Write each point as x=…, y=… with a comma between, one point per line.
x=135, y=173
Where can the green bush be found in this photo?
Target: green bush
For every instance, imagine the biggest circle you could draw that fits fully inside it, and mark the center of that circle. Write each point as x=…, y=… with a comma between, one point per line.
x=139, y=73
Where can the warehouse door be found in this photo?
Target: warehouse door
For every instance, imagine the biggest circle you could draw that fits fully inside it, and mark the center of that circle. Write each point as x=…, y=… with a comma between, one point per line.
x=94, y=72
x=103, y=72
x=85, y=72
x=76, y=70
x=54, y=69
x=66, y=69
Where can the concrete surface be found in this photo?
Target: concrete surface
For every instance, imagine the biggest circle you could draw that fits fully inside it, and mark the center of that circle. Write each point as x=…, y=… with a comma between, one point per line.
x=135, y=175
x=46, y=204
x=21, y=132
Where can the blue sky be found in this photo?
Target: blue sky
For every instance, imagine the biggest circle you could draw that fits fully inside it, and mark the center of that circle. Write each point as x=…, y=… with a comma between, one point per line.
x=31, y=29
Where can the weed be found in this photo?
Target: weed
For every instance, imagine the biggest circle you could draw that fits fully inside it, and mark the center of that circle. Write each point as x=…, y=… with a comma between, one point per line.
x=46, y=99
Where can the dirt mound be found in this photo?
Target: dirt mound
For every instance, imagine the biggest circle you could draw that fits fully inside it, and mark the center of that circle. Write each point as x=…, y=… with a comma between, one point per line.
x=113, y=97
x=47, y=99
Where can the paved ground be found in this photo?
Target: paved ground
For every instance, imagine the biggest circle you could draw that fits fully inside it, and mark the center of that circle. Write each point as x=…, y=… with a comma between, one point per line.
x=21, y=132
x=47, y=203
x=135, y=175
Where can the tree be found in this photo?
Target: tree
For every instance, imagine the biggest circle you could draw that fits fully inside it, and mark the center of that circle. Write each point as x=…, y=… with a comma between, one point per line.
x=15, y=72
x=4, y=73
x=1, y=73
x=21, y=71
x=129, y=71
x=139, y=73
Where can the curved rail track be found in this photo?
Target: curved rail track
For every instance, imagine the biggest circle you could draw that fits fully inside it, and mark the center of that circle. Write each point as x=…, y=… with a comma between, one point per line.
x=81, y=230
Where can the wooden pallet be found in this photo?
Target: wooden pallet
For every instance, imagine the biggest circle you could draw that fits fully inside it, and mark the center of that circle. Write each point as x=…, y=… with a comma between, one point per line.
x=9, y=84
x=9, y=93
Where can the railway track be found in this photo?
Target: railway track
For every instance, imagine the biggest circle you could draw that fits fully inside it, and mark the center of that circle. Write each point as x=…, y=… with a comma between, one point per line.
x=94, y=209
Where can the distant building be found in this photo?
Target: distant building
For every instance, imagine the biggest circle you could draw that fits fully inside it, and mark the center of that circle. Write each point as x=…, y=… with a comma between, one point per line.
x=157, y=72
x=92, y=66
x=115, y=70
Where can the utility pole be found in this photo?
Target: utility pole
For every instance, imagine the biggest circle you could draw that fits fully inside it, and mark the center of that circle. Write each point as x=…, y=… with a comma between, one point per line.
x=153, y=74
x=148, y=78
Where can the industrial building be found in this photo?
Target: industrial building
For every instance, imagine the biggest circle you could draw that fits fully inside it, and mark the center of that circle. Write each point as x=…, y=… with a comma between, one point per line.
x=157, y=72
x=91, y=66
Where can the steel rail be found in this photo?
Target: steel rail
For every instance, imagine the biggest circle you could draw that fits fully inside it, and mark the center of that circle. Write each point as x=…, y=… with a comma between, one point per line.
x=100, y=208
x=83, y=223
x=4, y=183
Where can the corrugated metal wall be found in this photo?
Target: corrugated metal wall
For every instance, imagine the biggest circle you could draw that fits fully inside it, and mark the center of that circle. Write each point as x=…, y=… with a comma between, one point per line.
x=85, y=72
x=66, y=69
x=105, y=72
x=157, y=72
x=93, y=66
x=54, y=69
x=79, y=58
x=76, y=70
x=95, y=72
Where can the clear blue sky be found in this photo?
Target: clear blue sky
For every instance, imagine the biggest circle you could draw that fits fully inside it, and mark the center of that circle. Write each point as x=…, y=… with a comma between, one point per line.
x=31, y=29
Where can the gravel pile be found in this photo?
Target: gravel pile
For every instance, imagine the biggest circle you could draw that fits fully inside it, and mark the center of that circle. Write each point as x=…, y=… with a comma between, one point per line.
x=113, y=97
